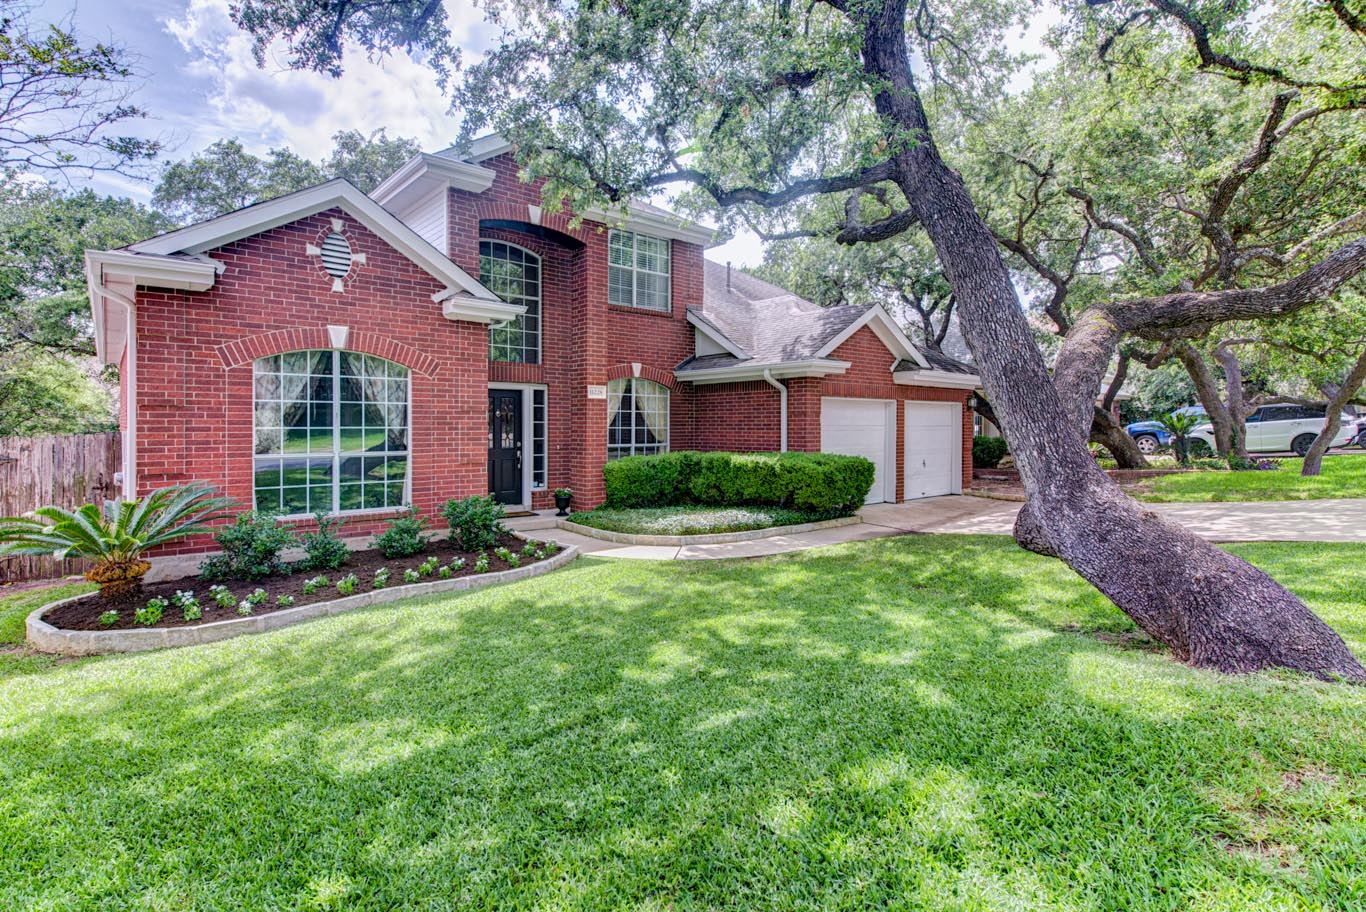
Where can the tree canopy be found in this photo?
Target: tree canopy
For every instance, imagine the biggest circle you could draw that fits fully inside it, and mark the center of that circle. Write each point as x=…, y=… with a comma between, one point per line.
x=225, y=176
x=62, y=100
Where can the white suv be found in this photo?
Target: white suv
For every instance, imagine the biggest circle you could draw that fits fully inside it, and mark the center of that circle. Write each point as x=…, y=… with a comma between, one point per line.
x=1278, y=428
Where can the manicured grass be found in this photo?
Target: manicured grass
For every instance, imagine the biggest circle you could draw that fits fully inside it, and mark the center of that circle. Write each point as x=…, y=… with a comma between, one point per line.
x=938, y=723
x=693, y=520
x=1342, y=476
x=15, y=658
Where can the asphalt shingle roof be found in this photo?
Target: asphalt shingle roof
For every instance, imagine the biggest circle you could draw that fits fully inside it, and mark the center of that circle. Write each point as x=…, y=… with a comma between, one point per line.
x=772, y=325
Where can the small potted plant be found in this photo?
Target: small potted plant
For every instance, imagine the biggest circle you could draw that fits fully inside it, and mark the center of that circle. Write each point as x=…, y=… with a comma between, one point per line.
x=563, y=496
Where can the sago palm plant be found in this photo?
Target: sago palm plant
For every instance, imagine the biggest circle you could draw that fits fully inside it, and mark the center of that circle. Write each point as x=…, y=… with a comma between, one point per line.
x=117, y=535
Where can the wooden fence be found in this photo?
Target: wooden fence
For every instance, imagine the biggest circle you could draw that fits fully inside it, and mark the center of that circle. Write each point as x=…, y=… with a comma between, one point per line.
x=67, y=470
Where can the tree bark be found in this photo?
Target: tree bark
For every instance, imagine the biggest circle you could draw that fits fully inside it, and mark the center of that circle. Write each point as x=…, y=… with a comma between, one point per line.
x=1313, y=460
x=1212, y=609
x=1237, y=401
x=1207, y=389
x=1109, y=433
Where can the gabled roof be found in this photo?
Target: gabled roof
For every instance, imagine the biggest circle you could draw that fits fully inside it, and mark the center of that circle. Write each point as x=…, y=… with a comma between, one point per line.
x=426, y=171
x=334, y=194
x=177, y=260
x=763, y=326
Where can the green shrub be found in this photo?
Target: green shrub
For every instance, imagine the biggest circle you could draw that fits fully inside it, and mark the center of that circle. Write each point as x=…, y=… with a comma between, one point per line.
x=251, y=548
x=324, y=549
x=403, y=536
x=818, y=482
x=987, y=452
x=476, y=522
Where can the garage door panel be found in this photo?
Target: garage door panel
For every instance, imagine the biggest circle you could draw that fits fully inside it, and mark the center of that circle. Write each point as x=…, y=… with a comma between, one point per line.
x=862, y=427
x=933, y=438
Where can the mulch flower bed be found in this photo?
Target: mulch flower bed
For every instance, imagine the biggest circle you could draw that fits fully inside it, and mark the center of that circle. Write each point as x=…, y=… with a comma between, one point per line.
x=85, y=613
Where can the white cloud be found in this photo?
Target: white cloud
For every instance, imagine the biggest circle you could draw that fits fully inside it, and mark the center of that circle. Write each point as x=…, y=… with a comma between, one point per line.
x=273, y=105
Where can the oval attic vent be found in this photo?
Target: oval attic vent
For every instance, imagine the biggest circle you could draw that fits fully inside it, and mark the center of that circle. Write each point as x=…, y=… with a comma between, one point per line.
x=336, y=254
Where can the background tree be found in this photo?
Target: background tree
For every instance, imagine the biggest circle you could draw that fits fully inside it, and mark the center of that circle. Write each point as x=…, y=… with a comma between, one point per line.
x=48, y=383
x=1127, y=171
x=61, y=100
x=762, y=104
x=901, y=275
x=225, y=176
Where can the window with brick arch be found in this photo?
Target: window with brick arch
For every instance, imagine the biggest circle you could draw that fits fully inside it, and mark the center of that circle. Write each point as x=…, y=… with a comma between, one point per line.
x=513, y=274
x=637, y=418
x=330, y=433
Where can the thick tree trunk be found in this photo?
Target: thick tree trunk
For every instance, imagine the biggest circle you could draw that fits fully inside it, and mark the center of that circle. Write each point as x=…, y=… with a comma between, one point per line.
x=1211, y=608
x=1313, y=460
x=1109, y=433
x=1237, y=401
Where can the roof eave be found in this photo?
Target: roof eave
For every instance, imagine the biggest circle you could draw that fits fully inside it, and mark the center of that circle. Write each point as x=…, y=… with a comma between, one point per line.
x=781, y=370
x=470, y=309
x=938, y=378
x=664, y=226
x=423, y=174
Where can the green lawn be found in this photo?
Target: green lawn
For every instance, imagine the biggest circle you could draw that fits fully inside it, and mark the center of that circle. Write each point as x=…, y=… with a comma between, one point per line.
x=1342, y=476
x=938, y=723
x=693, y=520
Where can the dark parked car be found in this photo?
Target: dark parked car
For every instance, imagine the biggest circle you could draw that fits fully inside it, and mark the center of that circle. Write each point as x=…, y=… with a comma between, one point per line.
x=1149, y=435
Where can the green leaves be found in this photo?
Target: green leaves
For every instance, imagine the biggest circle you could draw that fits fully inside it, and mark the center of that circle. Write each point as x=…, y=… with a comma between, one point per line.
x=120, y=530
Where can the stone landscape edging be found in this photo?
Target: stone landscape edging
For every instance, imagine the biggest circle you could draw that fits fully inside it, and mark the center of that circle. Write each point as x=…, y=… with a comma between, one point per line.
x=43, y=637
x=717, y=538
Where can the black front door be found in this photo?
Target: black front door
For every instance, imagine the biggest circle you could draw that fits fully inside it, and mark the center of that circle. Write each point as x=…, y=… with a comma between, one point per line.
x=505, y=445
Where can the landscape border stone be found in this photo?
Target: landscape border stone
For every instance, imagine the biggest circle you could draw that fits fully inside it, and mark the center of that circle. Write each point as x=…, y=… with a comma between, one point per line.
x=44, y=637
x=718, y=538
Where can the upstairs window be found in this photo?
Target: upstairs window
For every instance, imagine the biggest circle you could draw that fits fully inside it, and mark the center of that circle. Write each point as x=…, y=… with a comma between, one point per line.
x=514, y=275
x=331, y=433
x=637, y=418
x=638, y=271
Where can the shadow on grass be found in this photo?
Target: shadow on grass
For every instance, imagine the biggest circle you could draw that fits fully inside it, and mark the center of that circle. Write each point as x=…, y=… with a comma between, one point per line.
x=895, y=723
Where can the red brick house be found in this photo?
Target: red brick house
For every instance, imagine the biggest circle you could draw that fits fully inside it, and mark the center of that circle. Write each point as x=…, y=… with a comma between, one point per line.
x=448, y=336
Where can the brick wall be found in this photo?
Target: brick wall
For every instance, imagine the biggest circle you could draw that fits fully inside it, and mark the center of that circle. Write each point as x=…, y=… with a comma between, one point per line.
x=195, y=353
x=586, y=341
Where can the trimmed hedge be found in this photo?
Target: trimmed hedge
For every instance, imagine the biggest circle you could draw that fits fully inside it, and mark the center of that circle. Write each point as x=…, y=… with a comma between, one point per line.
x=818, y=482
x=987, y=452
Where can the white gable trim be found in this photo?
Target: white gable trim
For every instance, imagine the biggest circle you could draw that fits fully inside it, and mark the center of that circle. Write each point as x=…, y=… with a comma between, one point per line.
x=878, y=320
x=713, y=332
x=421, y=175
x=338, y=194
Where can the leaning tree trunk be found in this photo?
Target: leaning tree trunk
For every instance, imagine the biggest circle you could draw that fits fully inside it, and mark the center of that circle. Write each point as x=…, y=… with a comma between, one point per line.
x=1207, y=391
x=1313, y=460
x=1109, y=433
x=1211, y=608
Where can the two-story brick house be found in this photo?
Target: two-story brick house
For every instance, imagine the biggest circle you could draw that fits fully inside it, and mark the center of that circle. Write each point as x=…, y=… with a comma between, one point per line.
x=448, y=336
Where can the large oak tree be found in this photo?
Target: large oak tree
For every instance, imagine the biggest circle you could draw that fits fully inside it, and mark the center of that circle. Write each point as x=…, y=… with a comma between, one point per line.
x=762, y=103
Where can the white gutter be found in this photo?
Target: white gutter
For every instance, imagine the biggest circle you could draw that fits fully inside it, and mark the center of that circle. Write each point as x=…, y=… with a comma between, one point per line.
x=782, y=409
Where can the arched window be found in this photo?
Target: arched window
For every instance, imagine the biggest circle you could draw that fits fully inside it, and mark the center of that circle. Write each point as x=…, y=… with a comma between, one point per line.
x=331, y=433
x=637, y=417
x=514, y=275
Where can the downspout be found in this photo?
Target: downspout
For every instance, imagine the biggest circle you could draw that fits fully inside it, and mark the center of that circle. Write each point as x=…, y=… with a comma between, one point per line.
x=782, y=409
x=130, y=386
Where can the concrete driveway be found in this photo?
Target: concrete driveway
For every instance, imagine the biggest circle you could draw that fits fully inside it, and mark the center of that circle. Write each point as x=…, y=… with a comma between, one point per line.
x=1294, y=520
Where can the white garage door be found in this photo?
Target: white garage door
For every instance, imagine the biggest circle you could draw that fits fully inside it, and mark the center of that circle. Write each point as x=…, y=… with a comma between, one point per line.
x=933, y=440
x=867, y=428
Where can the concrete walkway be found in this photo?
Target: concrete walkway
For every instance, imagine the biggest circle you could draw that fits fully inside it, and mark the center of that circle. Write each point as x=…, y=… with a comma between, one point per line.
x=1301, y=520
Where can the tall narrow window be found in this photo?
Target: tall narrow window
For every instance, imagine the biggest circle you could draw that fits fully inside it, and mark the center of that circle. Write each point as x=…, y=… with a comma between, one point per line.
x=538, y=468
x=331, y=433
x=638, y=270
x=514, y=275
x=637, y=418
